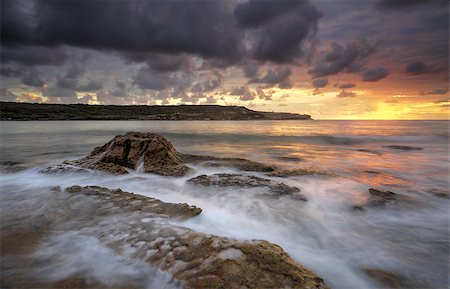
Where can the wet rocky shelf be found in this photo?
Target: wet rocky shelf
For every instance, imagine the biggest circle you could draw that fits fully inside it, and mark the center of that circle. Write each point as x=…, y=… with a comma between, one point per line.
x=275, y=189
x=197, y=260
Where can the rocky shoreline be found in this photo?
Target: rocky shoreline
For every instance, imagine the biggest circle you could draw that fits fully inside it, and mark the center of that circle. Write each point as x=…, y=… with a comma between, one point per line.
x=193, y=259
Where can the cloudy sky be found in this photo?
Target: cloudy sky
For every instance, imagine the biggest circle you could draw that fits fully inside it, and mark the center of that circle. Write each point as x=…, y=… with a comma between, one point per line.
x=333, y=59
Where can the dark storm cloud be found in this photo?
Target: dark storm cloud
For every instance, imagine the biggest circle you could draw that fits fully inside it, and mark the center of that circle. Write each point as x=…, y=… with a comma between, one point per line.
x=148, y=78
x=418, y=67
x=213, y=81
x=196, y=26
x=210, y=29
x=374, y=74
x=244, y=93
x=398, y=4
x=255, y=13
x=32, y=55
x=71, y=80
x=346, y=94
x=276, y=76
x=120, y=89
x=278, y=28
x=56, y=92
x=6, y=95
x=251, y=71
x=11, y=70
x=27, y=75
x=33, y=78
x=343, y=58
x=92, y=85
x=347, y=85
x=436, y=92
x=320, y=82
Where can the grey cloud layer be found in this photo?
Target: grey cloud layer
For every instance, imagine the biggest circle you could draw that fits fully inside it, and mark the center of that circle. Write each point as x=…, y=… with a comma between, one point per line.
x=210, y=29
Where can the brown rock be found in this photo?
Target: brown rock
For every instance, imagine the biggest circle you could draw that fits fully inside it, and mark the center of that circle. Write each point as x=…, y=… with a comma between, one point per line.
x=139, y=203
x=385, y=278
x=379, y=198
x=199, y=260
x=298, y=172
x=126, y=152
x=276, y=189
x=156, y=153
x=242, y=164
x=11, y=167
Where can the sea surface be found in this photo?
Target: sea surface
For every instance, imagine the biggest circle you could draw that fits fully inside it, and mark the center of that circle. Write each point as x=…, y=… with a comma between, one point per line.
x=407, y=239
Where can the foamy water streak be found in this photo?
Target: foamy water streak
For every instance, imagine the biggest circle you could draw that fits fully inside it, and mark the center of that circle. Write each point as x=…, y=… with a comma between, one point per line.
x=324, y=234
x=140, y=165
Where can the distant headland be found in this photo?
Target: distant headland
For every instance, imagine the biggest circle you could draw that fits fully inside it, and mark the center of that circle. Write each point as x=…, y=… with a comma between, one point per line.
x=37, y=111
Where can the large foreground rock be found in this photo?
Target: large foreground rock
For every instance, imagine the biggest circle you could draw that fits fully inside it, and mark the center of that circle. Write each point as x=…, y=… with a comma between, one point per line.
x=200, y=260
x=146, y=229
x=127, y=151
x=149, y=153
x=275, y=189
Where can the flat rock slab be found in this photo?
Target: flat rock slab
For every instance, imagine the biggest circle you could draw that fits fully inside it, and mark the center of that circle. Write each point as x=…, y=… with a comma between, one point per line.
x=11, y=167
x=387, y=279
x=241, y=164
x=198, y=260
x=134, y=202
x=276, y=189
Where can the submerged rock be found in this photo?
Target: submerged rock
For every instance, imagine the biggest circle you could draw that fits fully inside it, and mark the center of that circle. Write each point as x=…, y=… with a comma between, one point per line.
x=241, y=164
x=134, y=202
x=11, y=167
x=385, y=278
x=291, y=159
x=379, y=198
x=440, y=193
x=276, y=189
x=403, y=148
x=65, y=167
x=198, y=260
x=298, y=172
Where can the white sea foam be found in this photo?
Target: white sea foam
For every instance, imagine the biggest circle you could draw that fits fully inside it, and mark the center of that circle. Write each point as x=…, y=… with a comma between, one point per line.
x=70, y=254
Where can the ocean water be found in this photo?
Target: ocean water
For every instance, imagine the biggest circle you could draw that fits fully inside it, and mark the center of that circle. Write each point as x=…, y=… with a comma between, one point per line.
x=408, y=239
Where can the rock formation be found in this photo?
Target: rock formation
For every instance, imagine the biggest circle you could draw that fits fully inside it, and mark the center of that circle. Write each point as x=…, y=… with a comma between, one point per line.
x=122, y=220
x=298, y=172
x=275, y=189
x=241, y=164
x=151, y=153
x=199, y=260
x=379, y=198
x=126, y=151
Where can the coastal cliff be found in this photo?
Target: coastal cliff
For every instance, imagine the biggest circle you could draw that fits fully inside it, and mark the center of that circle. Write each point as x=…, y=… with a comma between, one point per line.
x=35, y=111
